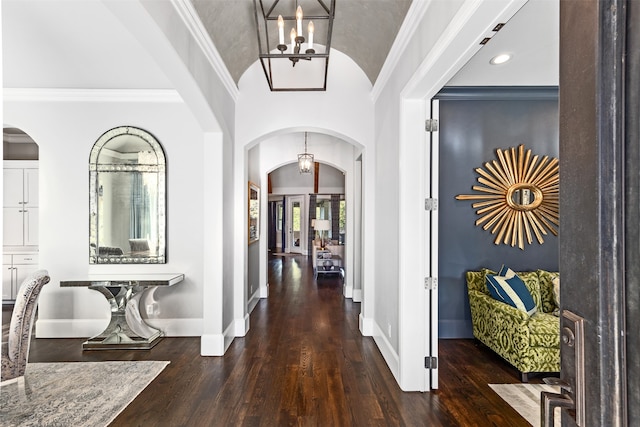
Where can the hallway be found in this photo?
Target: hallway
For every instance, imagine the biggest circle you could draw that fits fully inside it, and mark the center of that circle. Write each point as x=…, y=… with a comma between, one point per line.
x=303, y=362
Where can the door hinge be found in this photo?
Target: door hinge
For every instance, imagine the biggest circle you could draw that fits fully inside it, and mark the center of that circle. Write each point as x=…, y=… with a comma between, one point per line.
x=430, y=362
x=430, y=283
x=430, y=204
x=431, y=125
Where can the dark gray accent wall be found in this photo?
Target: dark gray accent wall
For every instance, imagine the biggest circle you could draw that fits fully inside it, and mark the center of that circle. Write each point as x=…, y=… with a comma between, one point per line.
x=474, y=122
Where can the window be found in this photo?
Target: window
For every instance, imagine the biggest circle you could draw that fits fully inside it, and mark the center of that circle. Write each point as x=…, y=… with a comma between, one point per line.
x=279, y=212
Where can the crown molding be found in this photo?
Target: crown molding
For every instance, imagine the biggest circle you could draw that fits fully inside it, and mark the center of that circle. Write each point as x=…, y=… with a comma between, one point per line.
x=407, y=30
x=498, y=93
x=191, y=19
x=90, y=95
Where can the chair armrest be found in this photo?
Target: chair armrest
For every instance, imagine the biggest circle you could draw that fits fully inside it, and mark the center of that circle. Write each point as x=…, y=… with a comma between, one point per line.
x=484, y=303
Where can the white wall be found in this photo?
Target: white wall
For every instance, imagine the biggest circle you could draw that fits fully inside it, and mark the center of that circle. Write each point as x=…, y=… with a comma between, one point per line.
x=282, y=149
x=438, y=40
x=65, y=132
x=343, y=114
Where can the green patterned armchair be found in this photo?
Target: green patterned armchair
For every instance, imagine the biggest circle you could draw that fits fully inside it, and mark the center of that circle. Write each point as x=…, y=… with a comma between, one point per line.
x=530, y=343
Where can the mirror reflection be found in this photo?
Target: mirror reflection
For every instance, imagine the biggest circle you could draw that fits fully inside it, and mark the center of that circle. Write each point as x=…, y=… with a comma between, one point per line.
x=127, y=198
x=524, y=197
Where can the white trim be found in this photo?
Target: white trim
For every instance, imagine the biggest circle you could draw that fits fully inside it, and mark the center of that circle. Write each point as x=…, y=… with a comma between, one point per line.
x=264, y=291
x=366, y=325
x=411, y=21
x=357, y=295
x=241, y=326
x=85, y=328
x=253, y=300
x=347, y=290
x=212, y=345
x=190, y=17
x=215, y=344
x=91, y=95
x=228, y=336
x=458, y=44
x=386, y=349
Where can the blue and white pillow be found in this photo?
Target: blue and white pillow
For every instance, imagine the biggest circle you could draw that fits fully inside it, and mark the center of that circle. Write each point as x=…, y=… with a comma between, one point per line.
x=507, y=287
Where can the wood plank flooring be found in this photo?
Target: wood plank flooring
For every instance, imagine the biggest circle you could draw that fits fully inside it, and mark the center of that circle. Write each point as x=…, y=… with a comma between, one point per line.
x=303, y=363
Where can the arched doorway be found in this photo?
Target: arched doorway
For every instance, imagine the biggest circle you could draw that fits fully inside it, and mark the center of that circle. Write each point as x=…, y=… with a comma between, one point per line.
x=20, y=210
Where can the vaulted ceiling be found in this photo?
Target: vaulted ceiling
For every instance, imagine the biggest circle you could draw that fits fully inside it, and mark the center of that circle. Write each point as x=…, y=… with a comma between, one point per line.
x=80, y=44
x=363, y=30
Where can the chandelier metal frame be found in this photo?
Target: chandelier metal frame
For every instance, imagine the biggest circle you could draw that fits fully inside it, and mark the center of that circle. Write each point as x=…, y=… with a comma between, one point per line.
x=266, y=21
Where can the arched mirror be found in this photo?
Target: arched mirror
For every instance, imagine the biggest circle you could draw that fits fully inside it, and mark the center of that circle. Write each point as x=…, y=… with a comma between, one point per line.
x=127, y=171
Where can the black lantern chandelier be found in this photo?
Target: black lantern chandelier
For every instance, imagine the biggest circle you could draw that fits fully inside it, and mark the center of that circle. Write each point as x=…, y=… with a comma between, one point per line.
x=291, y=61
x=305, y=160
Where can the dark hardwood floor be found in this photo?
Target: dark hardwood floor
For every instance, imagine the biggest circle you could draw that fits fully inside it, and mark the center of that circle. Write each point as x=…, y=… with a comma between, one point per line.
x=303, y=363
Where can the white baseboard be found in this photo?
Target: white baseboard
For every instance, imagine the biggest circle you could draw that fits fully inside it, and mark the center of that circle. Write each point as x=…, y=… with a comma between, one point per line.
x=389, y=354
x=217, y=344
x=253, y=301
x=347, y=291
x=366, y=326
x=357, y=295
x=178, y=327
x=85, y=328
x=212, y=345
x=241, y=326
x=70, y=328
x=264, y=291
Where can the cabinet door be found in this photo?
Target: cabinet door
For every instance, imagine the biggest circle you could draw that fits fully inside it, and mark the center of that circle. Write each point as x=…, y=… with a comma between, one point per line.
x=22, y=272
x=31, y=229
x=12, y=187
x=7, y=282
x=13, y=227
x=30, y=190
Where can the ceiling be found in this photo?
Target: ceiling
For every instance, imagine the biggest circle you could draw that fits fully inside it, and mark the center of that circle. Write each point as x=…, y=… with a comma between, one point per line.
x=42, y=46
x=363, y=30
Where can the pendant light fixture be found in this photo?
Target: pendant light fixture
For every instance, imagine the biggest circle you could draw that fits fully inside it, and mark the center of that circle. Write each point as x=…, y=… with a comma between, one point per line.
x=291, y=61
x=305, y=160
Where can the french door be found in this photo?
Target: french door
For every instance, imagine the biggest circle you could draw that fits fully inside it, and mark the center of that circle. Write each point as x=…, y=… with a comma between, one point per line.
x=294, y=224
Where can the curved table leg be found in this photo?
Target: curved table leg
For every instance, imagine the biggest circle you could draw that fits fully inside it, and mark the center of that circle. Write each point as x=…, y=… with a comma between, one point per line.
x=126, y=329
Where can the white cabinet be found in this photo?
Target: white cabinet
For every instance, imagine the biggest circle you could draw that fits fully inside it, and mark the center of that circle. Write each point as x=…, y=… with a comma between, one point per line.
x=16, y=268
x=20, y=203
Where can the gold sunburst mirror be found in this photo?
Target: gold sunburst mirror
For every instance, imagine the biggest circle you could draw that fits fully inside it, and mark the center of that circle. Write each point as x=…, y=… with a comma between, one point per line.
x=518, y=196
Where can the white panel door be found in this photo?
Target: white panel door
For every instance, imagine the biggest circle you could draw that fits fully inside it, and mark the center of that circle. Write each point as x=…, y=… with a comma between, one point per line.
x=431, y=250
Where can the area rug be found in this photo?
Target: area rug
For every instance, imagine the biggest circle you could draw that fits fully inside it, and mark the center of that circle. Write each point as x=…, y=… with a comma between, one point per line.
x=74, y=394
x=525, y=399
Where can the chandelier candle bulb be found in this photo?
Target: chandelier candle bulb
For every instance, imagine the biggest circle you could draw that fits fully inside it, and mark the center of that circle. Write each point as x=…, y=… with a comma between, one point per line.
x=311, y=28
x=293, y=36
x=280, y=29
x=299, y=20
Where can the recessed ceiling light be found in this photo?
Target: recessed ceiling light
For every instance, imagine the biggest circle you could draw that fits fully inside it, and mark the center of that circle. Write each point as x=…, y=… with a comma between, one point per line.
x=500, y=59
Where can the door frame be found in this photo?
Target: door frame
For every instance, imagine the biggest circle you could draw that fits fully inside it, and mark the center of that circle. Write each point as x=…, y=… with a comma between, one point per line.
x=290, y=248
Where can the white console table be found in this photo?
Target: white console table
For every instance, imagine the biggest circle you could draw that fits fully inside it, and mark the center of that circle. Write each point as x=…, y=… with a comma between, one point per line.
x=127, y=329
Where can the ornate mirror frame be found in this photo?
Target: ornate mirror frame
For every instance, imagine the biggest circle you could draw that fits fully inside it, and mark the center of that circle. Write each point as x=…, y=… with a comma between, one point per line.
x=518, y=197
x=149, y=162
x=254, y=213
